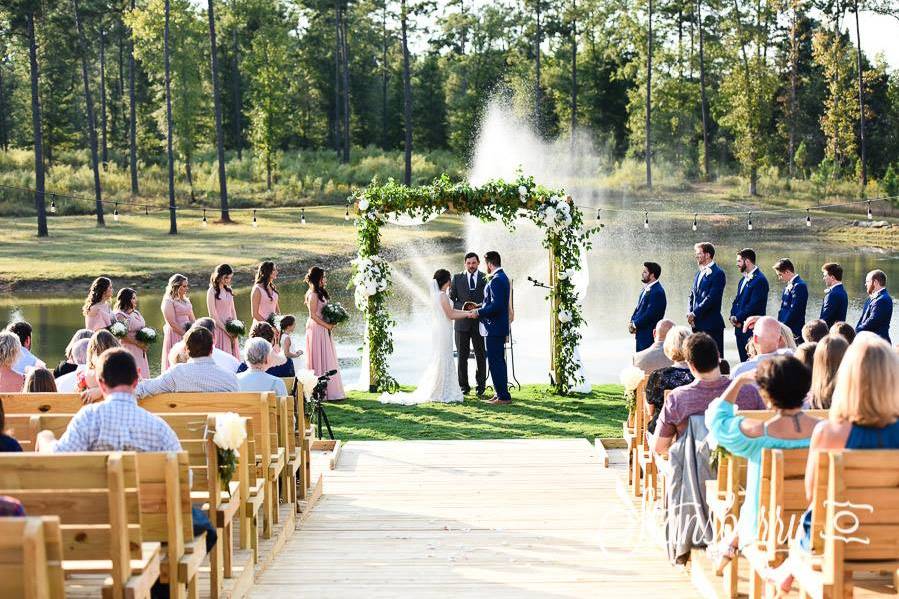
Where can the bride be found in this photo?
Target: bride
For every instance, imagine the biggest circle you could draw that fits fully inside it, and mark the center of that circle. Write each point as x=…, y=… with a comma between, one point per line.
x=439, y=382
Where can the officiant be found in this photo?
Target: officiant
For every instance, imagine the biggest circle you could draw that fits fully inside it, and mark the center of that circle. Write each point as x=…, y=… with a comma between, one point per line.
x=468, y=287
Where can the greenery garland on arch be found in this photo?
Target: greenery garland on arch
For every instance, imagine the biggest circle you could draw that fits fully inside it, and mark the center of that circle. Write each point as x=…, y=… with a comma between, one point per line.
x=564, y=236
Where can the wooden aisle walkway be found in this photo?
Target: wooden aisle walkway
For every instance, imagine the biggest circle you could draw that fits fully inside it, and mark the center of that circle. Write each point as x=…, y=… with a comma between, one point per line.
x=515, y=518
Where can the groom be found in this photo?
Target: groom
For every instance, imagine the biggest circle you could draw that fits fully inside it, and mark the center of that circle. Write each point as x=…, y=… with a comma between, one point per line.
x=468, y=287
x=494, y=317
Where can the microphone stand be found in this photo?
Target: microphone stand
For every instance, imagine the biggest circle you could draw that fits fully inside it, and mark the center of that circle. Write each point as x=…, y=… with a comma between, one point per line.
x=511, y=341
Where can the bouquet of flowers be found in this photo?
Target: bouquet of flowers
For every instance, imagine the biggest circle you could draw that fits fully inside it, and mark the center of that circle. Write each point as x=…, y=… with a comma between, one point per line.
x=236, y=328
x=274, y=319
x=334, y=313
x=630, y=377
x=146, y=335
x=230, y=433
x=118, y=329
x=187, y=326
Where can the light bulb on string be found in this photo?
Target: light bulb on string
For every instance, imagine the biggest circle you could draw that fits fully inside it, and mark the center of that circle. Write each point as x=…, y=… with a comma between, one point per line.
x=255, y=224
x=146, y=210
x=205, y=222
x=749, y=222
x=694, y=221
x=346, y=215
x=599, y=217
x=645, y=219
x=808, y=218
x=870, y=214
x=302, y=216
x=52, y=204
x=115, y=212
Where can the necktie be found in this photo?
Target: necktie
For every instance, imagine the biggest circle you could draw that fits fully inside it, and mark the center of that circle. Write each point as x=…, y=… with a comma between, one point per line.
x=471, y=282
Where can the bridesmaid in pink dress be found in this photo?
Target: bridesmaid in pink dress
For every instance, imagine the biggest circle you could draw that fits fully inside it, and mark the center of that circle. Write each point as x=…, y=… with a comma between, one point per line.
x=321, y=356
x=178, y=314
x=264, y=297
x=220, y=304
x=96, y=310
x=127, y=313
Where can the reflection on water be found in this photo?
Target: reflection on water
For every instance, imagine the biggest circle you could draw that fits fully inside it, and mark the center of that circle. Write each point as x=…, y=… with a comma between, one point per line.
x=614, y=266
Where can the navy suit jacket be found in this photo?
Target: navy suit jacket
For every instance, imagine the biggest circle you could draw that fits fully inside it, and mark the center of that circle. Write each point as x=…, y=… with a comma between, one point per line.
x=650, y=310
x=494, y=314
x=792, y=306
x=835, y=305
x=751, y=299
x=705, y=299
x=876, y=315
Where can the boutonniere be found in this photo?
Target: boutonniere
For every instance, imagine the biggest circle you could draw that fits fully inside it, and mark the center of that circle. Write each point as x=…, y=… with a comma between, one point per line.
x=488, y=278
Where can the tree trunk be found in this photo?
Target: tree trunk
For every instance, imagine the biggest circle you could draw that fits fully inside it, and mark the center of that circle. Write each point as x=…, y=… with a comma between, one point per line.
x=268, y=170
x=338, y=101
x=132, y=114
x=706, y=159
x=573, y=72
x=235, y=91
x=91, y=121
x=103, y=128
x=39, y=202
x=407, y=96
x=346, y=90
x=219, y=136
x=188, y=170
x=754, y=181
x=173, y=218
x=861, y=97
x=538, y=91
x=648, y=148
x=384, y=77
x=4, y=136
x=794, y=67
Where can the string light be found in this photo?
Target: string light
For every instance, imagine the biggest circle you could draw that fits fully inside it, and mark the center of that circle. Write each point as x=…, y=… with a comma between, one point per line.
x=346, y=215
x=52, y=204
x=749, y=222
x=599, y=217
x=808, y=218
x=146, y=210
x=115, y=212
x=694, y=221
x=205, y=222
x=870, y=214
x=302, y=216
x=255, y=224
x=645, y=219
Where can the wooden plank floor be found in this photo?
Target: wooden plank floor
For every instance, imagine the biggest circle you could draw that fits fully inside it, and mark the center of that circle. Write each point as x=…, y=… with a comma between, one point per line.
x=515, y=518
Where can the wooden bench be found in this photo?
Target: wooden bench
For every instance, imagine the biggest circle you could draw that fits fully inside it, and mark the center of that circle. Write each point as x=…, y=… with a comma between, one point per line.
x=22, y=428
x=637, y=443
x=628, y=427
x=31, y=558
x=855, y=523
x=95, y=496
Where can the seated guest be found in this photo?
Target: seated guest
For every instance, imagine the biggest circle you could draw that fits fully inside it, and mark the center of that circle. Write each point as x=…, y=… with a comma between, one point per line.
x=10, y=348
x=787, y=340
x=701, y=354
x=256, y=352
x=653, y=357
x=10, y=507
x=99, y=342
x=69, y=364
x=828, y=356
x=814, y=330
x=26, y=359
x=39, y=380
x=767, y=339
x=198, y=374
x=805, y=353
x=670, y=377
x=878, y=309
x=278, y=363
x=118, y=424
x=863, y=415
x=222, y=359
x=68, y=383
x=783, y=382
x=7, y=443
x=724, y=367
x=845, y=330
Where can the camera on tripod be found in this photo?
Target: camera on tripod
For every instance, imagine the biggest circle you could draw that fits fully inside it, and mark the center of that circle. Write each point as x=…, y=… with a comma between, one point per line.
x=318, y=397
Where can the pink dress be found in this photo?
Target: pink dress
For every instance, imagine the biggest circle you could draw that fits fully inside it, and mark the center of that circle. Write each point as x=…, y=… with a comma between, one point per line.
x=266, y=306
x=99, y=316
x=135, y=322
x=177, y=313
x=222, y=310
x=320, y=353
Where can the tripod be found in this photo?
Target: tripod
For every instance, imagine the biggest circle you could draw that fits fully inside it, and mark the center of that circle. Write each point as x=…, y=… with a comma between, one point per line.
x=316, y=403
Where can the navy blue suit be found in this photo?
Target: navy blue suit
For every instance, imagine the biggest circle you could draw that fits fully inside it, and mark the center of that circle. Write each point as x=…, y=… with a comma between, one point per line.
x=792, y=306
x=876, y=315
x=835, y=305
x=751, y=300
x=494, y=315
x=705, y=304
x=650, y=310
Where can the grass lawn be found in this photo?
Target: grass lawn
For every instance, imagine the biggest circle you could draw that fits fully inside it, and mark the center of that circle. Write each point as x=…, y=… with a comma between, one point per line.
x=535, y=412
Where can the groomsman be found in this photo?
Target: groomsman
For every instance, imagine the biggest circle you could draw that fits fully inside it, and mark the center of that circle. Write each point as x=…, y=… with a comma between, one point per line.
x=878, y=310
x=468, y=286
x=707, y=294
x=650, y=306
x=836, y=302
x=794, y=298
x=751, y=298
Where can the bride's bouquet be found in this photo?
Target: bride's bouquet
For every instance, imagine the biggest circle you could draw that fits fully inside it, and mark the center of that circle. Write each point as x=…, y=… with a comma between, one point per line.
x=334, y=313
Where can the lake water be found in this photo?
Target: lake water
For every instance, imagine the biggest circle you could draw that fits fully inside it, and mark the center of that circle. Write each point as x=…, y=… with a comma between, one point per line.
x=611, y=282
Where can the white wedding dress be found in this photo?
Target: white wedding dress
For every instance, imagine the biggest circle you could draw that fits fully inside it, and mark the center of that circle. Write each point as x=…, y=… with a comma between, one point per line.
x=439, y=382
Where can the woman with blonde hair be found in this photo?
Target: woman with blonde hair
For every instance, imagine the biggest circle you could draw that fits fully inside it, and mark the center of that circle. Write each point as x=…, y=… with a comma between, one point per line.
x=178, y=313
x=10, y=348
x=787, y=340
x=828, y=356
x=98, y=343
x=97, y=311
x=670, y=377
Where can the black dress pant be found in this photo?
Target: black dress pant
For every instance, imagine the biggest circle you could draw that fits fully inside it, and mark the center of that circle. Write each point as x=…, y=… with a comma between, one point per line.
x=465, y=340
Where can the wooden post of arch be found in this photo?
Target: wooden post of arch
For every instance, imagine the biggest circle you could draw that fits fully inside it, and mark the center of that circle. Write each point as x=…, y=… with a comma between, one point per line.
x=553, y=315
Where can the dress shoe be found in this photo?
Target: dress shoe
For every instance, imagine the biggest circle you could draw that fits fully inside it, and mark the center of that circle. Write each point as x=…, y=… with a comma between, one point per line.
x=499, y=402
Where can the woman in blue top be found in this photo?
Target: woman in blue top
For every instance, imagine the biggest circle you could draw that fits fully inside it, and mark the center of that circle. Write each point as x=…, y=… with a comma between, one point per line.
x=783, y=383
x=864, y=414
x=7, y=443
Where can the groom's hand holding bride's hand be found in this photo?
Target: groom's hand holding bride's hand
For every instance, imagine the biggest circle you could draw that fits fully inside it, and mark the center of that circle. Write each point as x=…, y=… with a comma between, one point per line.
x=472, y=314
